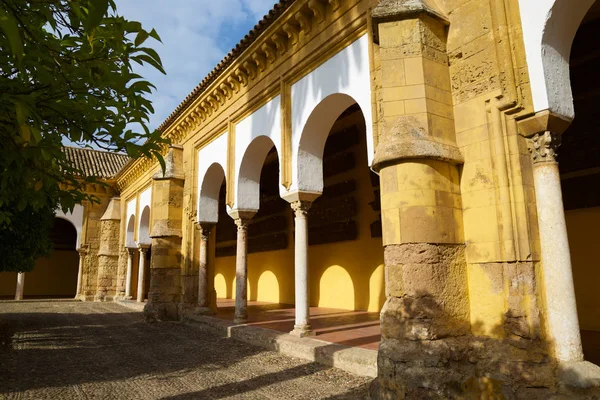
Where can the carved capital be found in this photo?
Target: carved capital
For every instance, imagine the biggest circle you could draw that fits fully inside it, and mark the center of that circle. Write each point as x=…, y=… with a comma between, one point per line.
x=242, y=224
x=204, y=230
x=143, y=248
x=83, y=250
x=130, y=251
x=301, y=208
x=542, y=146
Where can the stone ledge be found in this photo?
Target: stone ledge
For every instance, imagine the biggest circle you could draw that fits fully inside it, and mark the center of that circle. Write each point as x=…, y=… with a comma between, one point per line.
x=355, y=360
x=134, y=305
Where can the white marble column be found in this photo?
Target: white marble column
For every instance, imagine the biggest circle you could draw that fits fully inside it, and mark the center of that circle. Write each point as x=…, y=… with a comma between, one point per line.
x=130, y=254
x=20, y=286
x=141, y=272
x=241, y=272
x=82, y=253
x=562, y=321
x=302, y=323
x=203, y=294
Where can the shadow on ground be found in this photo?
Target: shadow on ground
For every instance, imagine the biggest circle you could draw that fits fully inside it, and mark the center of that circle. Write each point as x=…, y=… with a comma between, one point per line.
x=67, y=350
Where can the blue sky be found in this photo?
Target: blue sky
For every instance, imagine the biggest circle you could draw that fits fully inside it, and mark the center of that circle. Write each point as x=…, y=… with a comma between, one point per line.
x=196, y=35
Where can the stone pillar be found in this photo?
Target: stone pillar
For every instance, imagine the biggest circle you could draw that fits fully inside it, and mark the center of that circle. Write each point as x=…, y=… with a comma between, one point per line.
x=142, y=272
x=82, y=253
x=427, y=300
x=130, y=254
x=165, y=264
x=203, y=275
x=561, y=309
x=242, y=219
x=108, y=254
x=20, y=286
x=302, y=322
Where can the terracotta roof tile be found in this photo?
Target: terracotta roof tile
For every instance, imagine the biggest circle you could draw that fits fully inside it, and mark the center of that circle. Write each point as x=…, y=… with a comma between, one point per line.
x=102, y=164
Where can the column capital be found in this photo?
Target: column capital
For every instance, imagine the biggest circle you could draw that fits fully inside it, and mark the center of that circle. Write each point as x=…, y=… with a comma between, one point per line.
x=543, y=146
x=242, y=223
x=83, y=250
x=204, y=228
x=130, y=251
x=301, y=208
x=143, y=248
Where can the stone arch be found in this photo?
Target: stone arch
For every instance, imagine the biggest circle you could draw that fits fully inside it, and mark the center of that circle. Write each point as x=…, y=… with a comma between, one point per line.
x=309, y=158
x=75, y=217
x=208, y=195
x=247, y=190
x=549, y=27
x=64, y=234
x=130, y=232
x=144, y=232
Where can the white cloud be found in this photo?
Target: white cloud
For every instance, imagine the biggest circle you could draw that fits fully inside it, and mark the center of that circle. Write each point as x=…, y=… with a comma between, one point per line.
x=258, y=8
x=196, y=35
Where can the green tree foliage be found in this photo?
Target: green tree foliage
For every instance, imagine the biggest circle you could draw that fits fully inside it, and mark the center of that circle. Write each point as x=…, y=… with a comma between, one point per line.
x=66, y=71
x=26, y=239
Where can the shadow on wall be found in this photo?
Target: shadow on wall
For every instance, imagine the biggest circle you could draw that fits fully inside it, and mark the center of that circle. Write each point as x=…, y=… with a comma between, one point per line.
x=515, y=364
x=265, y=288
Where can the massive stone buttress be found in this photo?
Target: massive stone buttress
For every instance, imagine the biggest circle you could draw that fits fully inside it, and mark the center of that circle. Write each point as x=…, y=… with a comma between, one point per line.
x=108, y=254
x=427, y=348
x=165, y=265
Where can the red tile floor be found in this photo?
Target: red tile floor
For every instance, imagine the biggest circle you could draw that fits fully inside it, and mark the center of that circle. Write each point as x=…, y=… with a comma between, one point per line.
x=350, y=328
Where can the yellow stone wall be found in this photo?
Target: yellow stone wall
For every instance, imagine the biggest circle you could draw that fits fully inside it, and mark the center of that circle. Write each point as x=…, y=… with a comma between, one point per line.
x=499, y=219
x=53, y=276
x=477, y=99
x=347, y=275
x=583, y=227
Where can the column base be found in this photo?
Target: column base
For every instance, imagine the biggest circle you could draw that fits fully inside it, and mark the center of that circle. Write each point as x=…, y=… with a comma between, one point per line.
x=579, y=375
x=102, y=297
x=240, y=319
x=302, y=331
x=158, y=312
x=203, y=311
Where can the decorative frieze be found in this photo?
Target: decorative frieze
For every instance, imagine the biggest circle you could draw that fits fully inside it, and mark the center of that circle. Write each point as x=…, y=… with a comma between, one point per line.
x=249, y=65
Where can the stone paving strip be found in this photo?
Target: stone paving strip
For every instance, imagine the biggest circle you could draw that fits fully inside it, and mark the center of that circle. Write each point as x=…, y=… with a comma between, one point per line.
x=74, y=350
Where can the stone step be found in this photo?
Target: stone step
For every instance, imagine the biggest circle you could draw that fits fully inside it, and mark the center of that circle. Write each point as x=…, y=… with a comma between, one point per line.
x=355, y=360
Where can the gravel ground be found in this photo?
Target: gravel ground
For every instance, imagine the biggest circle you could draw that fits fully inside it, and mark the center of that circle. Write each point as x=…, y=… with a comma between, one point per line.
x=73, y=350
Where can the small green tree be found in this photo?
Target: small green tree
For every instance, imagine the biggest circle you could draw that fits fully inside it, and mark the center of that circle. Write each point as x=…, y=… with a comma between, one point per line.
x=26, y=239
x=66, y=71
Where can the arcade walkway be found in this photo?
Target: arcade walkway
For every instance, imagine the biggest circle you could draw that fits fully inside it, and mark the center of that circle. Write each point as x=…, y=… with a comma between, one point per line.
x=73, y=350
x=350, y=328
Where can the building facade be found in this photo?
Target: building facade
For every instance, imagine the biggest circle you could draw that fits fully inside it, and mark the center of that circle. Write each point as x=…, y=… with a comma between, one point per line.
x=396, y=156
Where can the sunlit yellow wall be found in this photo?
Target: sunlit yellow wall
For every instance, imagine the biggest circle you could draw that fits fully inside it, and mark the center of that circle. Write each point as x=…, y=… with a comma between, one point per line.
x=583, y=226
x=347, y=275
x=270, y=276
x=52, y=276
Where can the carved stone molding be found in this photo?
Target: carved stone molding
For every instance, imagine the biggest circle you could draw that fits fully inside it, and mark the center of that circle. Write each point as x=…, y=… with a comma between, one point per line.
x=542, y=146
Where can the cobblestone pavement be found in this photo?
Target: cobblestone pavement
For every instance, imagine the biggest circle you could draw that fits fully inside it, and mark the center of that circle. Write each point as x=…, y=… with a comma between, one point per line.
x=72, y=350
